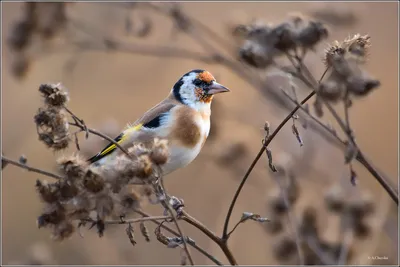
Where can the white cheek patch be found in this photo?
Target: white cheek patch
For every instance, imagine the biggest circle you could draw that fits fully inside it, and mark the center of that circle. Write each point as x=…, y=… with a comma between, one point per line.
x=187, y=89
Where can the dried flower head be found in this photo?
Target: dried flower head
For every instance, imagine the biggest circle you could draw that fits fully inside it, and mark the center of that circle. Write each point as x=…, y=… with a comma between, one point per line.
x=93, y=182
x=308, y=225
x=52, y=126
x=73, y=167
x=53, y=215
x=63, y=230
x=138, y=149
x=20, y=36
x=335, y=199
x=54, y=94
x=67, y=190
x=358, y=45
x=104, y=205
x=331, y=90
x=285, y=248
x=333, y=53
x=127, y=169
x=48, y=192
x=159, y=152
x=129, y=200
x=144, y=167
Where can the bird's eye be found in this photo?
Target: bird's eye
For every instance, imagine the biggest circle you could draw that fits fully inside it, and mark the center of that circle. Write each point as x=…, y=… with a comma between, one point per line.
x=197, y=82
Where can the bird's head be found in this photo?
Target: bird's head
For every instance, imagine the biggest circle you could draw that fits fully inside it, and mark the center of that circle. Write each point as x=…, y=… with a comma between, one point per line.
x=196, y=88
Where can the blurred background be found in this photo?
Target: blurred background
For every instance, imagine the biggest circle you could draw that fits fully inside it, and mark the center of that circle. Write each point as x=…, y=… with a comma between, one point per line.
x=130, y=83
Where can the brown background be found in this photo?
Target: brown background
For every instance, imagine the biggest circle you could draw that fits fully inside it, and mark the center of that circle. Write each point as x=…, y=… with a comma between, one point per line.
x=130, y=84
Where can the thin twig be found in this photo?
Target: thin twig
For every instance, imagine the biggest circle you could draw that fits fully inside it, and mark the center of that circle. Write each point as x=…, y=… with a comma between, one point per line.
x=201, y=250
x=360, y=157
x=381, y=179
x=92, y=131
x=167, y=205
x=29, y=168
x=257, y=158
x=196, y=223
x=236, y=226
x=260, y=153
x=143, y=219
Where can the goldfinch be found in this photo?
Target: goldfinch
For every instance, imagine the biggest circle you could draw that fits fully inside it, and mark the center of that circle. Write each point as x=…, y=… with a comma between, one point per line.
x=182, y=118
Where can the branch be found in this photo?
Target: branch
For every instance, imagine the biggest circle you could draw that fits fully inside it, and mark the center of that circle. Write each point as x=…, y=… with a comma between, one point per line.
x=381, y=179
x=123, y=221
x=257, y=158
x=31, y=169
x=360, y=157
x=201, y=250
x=165, y=201
x=92, y=131
x=193, y=221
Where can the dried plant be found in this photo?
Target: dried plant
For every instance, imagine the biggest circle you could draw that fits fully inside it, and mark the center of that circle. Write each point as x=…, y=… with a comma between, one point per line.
x=106, y=195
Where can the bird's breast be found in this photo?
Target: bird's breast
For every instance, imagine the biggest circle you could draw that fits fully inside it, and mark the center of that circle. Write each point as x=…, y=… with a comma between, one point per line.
x=188, y=134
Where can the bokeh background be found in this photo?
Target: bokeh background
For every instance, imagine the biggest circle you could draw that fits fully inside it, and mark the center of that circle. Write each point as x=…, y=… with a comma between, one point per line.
x=109, y=90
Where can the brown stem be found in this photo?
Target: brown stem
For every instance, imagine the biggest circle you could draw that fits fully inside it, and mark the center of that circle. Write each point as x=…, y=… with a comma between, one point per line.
x=223, y=245
x=360, y=157
x=253, y=164
x=29, y=168
x=92, y=131
x=167, y=205
x=143, y=219
x=201, y=250
x=381, y=179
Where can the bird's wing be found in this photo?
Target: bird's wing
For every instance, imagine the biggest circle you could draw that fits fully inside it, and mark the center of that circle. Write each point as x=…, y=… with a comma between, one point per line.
x=150, y=120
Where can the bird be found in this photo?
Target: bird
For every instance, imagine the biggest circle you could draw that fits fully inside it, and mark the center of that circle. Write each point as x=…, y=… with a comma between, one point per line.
x=182, y=118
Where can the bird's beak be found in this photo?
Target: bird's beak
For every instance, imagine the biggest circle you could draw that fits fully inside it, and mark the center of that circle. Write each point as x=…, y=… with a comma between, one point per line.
x=216, y=88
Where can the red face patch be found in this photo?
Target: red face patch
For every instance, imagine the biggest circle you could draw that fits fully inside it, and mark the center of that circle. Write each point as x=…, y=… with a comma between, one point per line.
x=206, y=77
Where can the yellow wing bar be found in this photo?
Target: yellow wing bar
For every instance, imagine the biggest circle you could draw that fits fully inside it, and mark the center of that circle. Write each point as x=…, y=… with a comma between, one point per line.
x=111, y=147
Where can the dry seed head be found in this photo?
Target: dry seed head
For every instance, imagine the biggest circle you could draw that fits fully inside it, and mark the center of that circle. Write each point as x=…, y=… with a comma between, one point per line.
x=277, y=203
x=360, y=208
x=362, y=229
x=285, y=248
x=126, y=169
x=130, y=199
x=358, y=45
x=93, y=182
x=138, y=149
x=331, y=90
x=334, y=199
x=143, y=167
x=52, y=120
x=312, y=34
x=53, y=215
x=104, y=205
x=63, y=231
x=334, y=52
x=308, y=225
x=67, y=190
x=284, y=35
x=60, y=143
x=159, y=152
x=49, y=193
x=54, y=94
x=361, y=86
x=20, y=36
x=73, y=167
